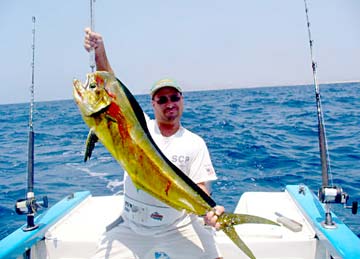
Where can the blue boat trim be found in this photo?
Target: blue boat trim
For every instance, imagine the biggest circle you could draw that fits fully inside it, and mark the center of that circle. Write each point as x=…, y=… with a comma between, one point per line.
x=19, y=241
x=342, y=240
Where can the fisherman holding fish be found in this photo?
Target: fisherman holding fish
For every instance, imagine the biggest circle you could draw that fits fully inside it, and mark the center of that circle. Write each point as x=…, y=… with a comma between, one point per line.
x=150, y=228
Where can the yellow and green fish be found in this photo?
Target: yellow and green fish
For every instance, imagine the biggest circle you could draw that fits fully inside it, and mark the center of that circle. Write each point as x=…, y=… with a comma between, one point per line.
x=117, y=120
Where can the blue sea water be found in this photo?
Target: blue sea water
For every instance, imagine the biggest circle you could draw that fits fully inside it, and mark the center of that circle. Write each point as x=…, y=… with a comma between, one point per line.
x=260, y=139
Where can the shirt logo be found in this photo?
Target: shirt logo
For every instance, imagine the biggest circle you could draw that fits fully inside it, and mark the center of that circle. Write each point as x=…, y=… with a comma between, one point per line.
x=210, y=170
x=161, y=255
x=156, y=216
x=180, y=159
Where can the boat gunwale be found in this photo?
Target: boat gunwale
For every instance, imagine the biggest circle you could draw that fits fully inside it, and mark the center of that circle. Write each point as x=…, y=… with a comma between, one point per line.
x=340, y=241
x=20, y=241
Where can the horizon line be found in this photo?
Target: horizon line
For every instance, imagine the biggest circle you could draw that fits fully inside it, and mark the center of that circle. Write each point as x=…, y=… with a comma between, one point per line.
x=219, y=88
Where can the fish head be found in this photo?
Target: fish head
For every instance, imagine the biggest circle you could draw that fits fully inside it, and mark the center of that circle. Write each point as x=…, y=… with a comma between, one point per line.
x=93, y=97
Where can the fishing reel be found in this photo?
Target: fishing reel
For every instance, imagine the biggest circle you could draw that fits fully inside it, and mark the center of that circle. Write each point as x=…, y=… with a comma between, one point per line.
x=334, y=194
x=29, y=207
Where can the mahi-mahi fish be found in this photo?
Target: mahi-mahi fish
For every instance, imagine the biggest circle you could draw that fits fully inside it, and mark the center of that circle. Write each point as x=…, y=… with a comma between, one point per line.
x=117, y=120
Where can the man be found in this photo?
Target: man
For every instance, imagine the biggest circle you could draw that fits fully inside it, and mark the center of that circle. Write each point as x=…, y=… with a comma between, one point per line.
x=151, y=229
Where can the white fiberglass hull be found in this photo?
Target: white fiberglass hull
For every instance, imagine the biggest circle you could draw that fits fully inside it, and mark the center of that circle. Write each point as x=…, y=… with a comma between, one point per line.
x=72, y=228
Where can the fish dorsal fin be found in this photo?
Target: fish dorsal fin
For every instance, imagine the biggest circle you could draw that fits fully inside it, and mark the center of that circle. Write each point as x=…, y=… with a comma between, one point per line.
x=141, y=118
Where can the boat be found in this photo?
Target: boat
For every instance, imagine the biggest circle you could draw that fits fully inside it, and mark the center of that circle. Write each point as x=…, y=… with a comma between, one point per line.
x=71, y=228
x=308, y=228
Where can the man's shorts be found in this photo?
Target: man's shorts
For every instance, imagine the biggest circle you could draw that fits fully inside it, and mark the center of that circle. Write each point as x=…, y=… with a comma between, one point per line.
x=192, y=241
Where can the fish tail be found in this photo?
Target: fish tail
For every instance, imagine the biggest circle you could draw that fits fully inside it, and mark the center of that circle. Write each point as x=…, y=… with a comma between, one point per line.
x=231, y=233
x=229, y=220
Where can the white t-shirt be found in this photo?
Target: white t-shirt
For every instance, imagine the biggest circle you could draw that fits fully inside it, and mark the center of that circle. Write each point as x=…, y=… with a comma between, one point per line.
x=188, y=151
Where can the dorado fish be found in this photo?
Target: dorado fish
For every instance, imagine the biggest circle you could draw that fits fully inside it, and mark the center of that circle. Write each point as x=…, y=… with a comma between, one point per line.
x=117, y=120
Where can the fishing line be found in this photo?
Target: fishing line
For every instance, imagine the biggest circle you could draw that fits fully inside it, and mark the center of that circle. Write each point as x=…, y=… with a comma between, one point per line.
x=324, y=153
x=92, y=27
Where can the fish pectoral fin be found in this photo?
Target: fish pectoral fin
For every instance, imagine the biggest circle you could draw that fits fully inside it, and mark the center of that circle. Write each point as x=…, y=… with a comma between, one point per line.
x=90, y=144
x=231, y=233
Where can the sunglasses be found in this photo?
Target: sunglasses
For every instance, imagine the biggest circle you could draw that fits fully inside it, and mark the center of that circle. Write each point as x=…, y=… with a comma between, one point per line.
x=164, y=99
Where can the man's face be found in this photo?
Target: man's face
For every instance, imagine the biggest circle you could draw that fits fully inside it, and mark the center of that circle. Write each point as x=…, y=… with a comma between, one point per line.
x=168, y=105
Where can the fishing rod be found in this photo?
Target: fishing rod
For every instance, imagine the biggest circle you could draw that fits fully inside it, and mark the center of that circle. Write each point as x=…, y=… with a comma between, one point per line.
x=92, y=27
x=324, y=153
x=327, y=193
x=29, y=205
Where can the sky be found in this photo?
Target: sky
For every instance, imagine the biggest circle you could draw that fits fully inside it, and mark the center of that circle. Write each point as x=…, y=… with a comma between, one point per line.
x=213, y=44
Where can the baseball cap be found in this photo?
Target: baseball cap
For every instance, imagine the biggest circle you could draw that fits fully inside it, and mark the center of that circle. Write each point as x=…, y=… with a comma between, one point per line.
x=166, y=82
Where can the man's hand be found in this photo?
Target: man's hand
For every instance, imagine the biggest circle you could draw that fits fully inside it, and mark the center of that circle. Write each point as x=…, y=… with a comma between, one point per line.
x=95, y=41
x=212, y=217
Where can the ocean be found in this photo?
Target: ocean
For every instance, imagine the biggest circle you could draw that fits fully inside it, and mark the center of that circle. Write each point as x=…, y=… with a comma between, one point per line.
x=260, y=139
